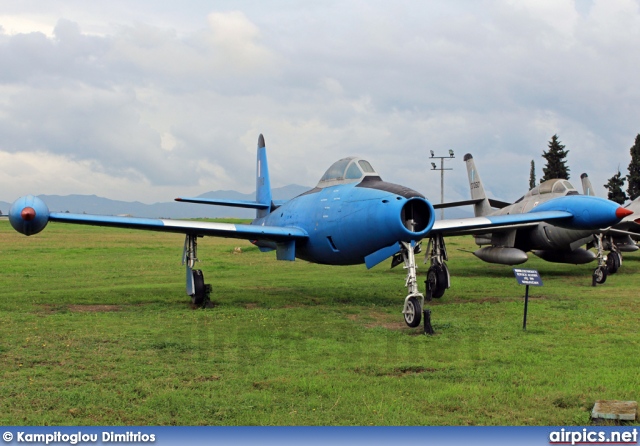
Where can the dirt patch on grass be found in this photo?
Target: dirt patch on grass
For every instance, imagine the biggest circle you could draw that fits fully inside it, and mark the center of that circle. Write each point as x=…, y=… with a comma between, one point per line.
x=93, y=308
x=397, y=372
x=48, y=309
x=207, y=378
x=481, y=300
x=374, y=319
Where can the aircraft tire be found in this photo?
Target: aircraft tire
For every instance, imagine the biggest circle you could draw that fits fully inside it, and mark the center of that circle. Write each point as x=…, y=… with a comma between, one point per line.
x=614, y=261
x=200, y=292
x=437, y=276
x=600, y=275
x=412, y=319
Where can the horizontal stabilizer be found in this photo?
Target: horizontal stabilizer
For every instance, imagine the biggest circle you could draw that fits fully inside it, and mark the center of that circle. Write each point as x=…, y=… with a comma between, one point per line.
x=381, y=255
x=452, y=204
x=498, y=204
x=220, y=202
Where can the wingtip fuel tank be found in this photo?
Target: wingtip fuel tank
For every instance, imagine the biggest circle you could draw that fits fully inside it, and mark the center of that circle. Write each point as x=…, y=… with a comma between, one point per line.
x=29, y=215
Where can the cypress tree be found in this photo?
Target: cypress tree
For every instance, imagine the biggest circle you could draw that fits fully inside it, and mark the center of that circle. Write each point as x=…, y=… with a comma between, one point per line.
x=556, y=163
x=633, y=179
x=614, y=186
x=532, y=176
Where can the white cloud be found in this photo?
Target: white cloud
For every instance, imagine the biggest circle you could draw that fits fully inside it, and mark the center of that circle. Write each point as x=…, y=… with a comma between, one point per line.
x=158, y=100
x=15, y=24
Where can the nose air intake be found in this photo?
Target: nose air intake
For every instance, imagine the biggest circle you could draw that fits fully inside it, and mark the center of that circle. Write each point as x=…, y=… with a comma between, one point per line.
x=417, y=216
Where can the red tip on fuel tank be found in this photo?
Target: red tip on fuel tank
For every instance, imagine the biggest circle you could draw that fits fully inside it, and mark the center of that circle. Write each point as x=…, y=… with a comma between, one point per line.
x=623, y=212
x=28, y=214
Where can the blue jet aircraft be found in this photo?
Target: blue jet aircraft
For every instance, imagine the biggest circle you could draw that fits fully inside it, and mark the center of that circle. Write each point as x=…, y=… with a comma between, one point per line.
x=618, y=238
x=553, y=242
x=351, y=217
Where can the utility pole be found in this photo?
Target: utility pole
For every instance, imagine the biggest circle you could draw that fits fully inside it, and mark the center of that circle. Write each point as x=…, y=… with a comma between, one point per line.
x=441, y=169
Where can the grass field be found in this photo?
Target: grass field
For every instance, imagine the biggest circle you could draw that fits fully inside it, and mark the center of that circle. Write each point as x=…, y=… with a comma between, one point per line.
x=96, y=330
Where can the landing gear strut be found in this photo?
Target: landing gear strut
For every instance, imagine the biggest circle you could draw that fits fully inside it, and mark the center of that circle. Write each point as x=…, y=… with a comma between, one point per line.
x=438, y=280
x=601, y=271
x=414, y=301
x=196, y=288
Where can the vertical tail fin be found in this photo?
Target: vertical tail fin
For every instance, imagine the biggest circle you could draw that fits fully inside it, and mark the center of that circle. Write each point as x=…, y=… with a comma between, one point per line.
x=587, y=189
x=477, y=189
x=263, y=183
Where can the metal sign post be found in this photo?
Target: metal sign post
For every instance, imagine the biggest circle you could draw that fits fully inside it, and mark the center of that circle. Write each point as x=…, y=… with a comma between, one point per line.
x=527, y=277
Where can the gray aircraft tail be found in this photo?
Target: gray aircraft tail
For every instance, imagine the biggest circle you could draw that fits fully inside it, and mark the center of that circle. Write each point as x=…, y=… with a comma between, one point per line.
x=477, y=189
x=587, y=189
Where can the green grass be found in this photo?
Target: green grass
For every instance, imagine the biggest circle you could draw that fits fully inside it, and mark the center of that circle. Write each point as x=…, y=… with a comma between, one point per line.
x=96, y=329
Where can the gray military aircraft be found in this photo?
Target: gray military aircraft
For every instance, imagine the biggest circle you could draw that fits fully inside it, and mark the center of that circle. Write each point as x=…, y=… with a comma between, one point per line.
x=508, y=245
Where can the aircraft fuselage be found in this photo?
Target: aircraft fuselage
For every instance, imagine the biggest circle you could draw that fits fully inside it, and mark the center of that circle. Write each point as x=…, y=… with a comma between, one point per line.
x=544, y=236
x=347, y=222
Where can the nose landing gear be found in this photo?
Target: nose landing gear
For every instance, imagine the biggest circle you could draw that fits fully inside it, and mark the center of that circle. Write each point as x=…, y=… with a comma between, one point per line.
x=413, y=310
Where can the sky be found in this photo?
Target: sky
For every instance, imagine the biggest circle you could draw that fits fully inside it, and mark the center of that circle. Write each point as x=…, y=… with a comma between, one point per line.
x=148, y=100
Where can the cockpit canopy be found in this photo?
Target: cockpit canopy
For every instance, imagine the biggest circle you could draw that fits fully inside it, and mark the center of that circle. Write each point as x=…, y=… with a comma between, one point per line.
x=555, y=186
x=347, y=170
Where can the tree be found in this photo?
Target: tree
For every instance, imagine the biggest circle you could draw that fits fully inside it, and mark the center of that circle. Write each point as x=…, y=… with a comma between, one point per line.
x=556, y=163
x=633, y=179
x=532, y=176
x=614, y=186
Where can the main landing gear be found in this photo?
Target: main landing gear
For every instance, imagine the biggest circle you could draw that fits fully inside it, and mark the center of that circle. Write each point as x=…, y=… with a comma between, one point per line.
x=196, y=288
x=438, y=279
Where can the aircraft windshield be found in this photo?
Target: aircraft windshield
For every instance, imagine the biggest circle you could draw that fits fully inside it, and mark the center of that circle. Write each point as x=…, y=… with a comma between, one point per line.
x=556, y=186
x=347, y=170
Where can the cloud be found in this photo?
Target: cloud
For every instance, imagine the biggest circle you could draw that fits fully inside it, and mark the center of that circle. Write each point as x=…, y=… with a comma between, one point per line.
x=161, y=100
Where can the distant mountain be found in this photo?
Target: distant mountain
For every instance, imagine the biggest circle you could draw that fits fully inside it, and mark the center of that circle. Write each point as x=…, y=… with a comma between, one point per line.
x=92, y=204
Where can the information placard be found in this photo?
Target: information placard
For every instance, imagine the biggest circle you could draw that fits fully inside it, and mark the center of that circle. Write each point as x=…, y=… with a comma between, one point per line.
x=527, y=277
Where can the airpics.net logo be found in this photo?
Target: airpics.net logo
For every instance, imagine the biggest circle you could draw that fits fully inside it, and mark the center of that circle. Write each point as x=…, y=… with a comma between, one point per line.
x=586, y=436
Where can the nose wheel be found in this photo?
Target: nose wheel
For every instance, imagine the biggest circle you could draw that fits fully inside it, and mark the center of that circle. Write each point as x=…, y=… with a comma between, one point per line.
x=600, y=275
x=412, y=312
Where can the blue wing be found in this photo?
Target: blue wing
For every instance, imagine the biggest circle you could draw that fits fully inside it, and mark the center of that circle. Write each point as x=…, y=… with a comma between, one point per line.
x=228, y=230
x=470, y=225
x=29, y=215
